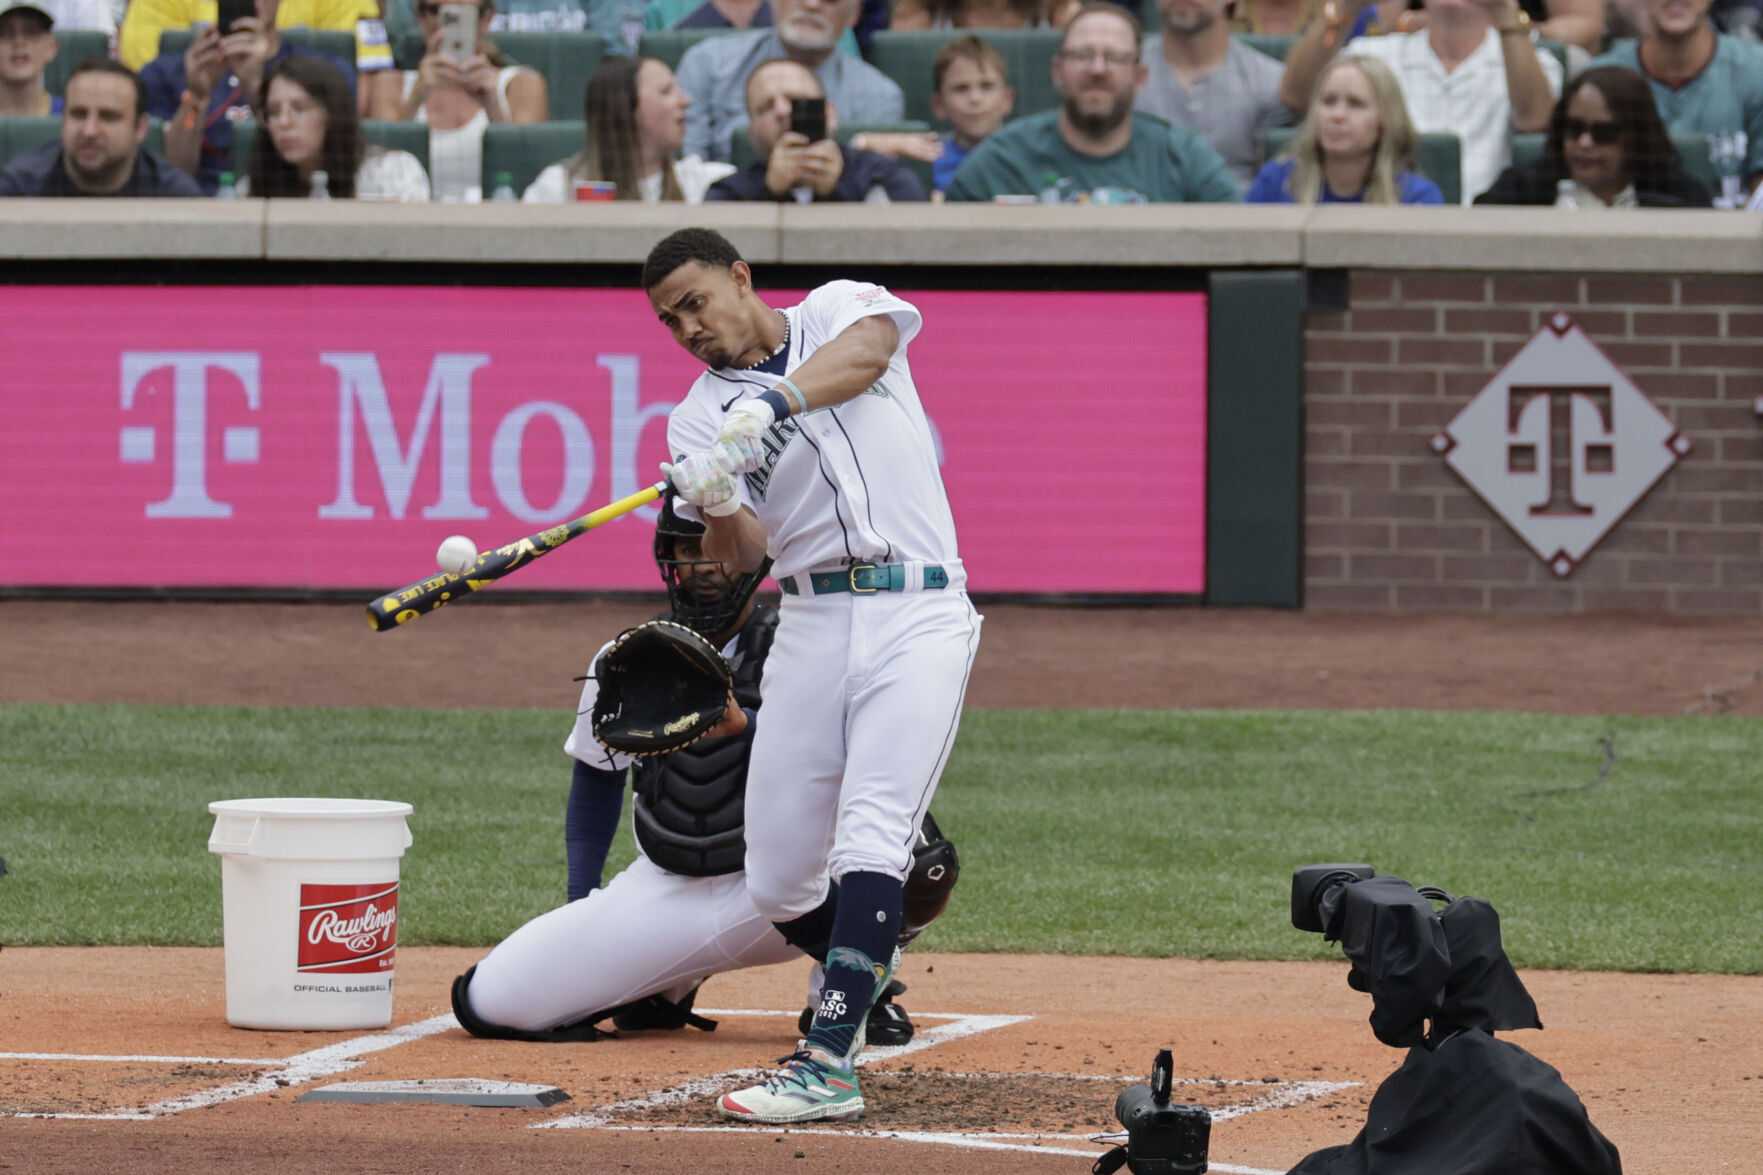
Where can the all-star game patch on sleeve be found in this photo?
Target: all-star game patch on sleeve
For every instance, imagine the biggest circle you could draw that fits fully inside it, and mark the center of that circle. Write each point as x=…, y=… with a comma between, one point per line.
x=836, y=305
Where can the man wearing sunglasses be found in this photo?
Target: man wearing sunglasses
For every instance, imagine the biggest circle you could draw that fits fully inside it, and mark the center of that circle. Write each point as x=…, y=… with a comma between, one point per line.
x=1095, y=149
x=1706, y=83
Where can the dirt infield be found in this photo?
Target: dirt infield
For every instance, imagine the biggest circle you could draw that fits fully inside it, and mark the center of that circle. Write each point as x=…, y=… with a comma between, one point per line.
x=1018, y=1059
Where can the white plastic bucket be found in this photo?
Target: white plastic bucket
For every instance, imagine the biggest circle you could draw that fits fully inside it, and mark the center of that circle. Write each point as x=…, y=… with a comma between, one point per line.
x=309, y=894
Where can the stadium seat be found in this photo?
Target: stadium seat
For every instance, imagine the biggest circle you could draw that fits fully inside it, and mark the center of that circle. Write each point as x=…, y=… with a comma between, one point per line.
x=670, y=45
x=1274, y=45
x=74, y=46
x=567, y=61
x=18, y=135
x=1692, y=148
x=336, y=42
x=524, y=150
x=741, y=151
x=910, y=58
x=1441, y=158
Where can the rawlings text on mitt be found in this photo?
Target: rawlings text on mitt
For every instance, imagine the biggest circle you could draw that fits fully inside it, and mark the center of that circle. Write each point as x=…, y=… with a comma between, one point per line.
x=661, y=687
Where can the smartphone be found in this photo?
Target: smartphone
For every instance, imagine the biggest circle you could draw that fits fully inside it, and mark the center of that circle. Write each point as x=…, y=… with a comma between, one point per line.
x=459, y=30
x=808, y=117
x=232, y=10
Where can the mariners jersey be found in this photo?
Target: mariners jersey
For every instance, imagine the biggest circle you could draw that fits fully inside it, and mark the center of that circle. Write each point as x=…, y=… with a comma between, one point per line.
x=857, y=483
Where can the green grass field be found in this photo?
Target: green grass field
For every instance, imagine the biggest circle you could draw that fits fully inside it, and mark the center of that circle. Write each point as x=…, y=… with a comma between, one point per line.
x=1107, y=832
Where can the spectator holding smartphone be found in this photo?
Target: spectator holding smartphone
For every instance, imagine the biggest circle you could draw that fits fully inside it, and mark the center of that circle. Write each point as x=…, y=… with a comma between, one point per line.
x=138, y=40
x=310, y=126
x=102, y=127
x=200, y=92
x=794, y=165
x=462, y=85
x=1356, y=146
x=27, y=45
x=635, y=114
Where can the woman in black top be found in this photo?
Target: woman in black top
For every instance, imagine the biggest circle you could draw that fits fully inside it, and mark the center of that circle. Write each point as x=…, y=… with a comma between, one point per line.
x=1607, y=148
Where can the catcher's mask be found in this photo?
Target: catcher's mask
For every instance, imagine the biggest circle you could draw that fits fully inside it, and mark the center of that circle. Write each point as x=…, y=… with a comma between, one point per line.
x=703, y=595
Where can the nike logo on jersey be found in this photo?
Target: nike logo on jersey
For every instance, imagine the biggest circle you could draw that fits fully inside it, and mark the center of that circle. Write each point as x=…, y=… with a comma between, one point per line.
x=777, y=439
x=732, y=399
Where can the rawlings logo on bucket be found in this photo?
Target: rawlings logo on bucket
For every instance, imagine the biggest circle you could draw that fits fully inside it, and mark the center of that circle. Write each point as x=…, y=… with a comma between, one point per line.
x=348, y=927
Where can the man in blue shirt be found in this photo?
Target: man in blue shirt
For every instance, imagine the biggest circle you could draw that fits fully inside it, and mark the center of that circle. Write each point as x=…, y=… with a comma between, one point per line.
x=715, y=71
x=1704, y=82
x=201, y=92
x=100, y=152
x=790, y=167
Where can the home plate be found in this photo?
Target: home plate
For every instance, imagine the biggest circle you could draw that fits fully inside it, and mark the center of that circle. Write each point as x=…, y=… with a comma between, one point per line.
x=452, y=1091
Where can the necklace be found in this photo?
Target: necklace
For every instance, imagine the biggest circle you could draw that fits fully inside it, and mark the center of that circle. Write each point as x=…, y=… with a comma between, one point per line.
x=777, y=350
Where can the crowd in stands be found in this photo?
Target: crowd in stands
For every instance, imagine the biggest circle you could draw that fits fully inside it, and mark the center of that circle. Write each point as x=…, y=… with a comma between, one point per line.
x=1580, y=104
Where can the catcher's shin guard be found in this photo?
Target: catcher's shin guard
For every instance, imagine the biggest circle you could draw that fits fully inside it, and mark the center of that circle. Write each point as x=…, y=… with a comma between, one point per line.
x=581, y=1030
x=659, y=1012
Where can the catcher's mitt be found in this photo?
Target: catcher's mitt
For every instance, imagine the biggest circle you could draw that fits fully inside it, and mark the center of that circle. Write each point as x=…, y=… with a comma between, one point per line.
x=661, y=687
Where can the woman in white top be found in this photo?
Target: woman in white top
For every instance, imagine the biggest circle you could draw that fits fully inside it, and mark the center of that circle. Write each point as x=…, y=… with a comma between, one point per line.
x=458, y=99
x=310, y=126
x=635, y=114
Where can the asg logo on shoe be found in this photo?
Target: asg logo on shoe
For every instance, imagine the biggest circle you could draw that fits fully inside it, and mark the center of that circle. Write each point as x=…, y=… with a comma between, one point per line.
x=832, y=1003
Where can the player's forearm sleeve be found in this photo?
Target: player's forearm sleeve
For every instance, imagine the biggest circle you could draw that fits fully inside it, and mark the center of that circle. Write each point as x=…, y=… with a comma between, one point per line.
x=596, y=799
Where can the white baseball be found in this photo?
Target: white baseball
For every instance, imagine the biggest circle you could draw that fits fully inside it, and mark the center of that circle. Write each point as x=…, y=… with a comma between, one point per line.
x=458, y=554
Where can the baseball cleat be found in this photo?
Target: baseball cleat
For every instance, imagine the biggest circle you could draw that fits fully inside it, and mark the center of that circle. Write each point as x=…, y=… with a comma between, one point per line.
x=811, y=1087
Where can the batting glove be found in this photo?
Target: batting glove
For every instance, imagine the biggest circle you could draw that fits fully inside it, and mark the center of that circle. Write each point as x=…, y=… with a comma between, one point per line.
x=704, y=483
x=740, y=446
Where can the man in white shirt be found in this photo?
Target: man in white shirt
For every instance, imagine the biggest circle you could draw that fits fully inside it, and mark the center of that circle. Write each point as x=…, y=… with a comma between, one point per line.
x=1473, y=71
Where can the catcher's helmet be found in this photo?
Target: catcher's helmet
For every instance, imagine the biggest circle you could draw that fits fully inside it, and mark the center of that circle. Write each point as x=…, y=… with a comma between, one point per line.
x=703, y=595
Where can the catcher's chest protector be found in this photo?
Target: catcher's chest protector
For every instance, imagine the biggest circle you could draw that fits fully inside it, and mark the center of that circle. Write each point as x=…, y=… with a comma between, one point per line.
x=688, y=804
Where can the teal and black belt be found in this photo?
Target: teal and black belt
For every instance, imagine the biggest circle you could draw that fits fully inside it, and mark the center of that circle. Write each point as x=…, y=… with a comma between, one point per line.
x=865, y=579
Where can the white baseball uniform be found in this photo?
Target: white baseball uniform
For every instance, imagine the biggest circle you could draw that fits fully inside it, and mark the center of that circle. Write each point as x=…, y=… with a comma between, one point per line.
x=648, y=932
x=862, y=693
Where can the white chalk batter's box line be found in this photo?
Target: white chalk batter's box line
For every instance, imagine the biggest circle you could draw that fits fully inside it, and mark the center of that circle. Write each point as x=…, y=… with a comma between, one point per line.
x=307, y=1067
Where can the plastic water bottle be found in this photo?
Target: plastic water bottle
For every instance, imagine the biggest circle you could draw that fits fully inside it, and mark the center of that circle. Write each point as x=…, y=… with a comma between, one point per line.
x=228, y=190
x=1564, y=197
x=1050, y=193
x=321, y=186
x=503, y=193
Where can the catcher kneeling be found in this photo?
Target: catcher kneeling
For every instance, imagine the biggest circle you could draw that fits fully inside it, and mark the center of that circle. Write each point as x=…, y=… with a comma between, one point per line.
x=672, y=706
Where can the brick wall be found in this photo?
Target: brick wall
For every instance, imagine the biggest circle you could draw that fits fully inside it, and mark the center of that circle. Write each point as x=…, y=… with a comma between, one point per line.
x=1388, y=526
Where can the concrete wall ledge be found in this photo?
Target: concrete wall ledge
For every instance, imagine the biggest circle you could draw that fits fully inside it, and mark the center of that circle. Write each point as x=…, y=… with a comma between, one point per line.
x=1329, y=237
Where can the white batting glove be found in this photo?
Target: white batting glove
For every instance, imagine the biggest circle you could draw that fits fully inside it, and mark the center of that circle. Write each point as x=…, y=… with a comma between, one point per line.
x=704, y=483
x=740, y=446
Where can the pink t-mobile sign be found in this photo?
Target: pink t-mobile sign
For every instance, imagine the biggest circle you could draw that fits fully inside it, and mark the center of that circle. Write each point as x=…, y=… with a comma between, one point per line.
x=330, y=437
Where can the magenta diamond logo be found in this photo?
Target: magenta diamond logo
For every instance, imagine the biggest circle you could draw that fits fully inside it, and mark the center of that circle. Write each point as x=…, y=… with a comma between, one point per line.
x=1561, y=444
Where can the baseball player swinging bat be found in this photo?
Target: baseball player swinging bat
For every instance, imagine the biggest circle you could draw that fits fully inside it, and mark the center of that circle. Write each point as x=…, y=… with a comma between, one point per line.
x=435, y=591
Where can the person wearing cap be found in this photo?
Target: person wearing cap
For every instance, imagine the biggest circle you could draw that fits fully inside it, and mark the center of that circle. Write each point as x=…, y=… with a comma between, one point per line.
x=103, y=124
x=27, y=45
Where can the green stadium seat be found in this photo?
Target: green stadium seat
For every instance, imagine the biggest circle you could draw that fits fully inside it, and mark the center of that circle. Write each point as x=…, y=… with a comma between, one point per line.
x=336, y=42
x=1692, y=148
x=18, y=135
x=567, y=61
x=1441, y=158
x=670, y=45
x=741, y=151
x=910, y=59
x=73, y=47
x=523, y=150
x=1275, y=45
